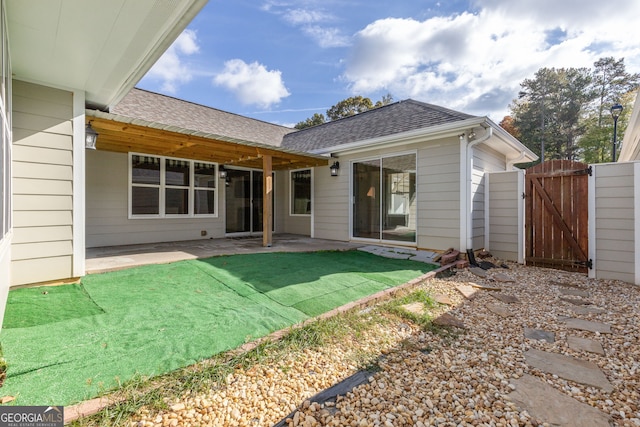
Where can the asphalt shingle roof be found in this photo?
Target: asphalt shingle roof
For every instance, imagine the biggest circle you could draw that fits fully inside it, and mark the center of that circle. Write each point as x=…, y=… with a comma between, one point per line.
x=391, y=119
x=157, y=108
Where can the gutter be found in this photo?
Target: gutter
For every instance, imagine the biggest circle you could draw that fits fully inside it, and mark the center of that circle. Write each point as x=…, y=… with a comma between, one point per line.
x=518, y=159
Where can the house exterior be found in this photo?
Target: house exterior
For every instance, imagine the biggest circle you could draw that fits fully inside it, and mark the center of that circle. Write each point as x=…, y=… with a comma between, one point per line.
x=631, y=142
x=57, y=58
x=410, y=174
x=407, y=174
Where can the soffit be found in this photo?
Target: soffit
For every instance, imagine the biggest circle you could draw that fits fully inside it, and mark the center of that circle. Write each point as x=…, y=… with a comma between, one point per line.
x=124, y=135
x=101, y=47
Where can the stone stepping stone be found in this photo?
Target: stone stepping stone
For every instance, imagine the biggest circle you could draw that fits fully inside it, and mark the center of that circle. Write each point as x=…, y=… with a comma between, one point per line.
x=446, y=319
x=503, y=278
x=539, y=334
x=565, y=284
x=442, y=299
x=569, y=368
x=575, y=301
x=423, y=257
x=466, y=290
x=585, y=344
x=574, y=292
x=485, y=287
x=478, y=272
x=587, y=309
x=500, y=310
x=548, y=405
x=587, y=325
x=508, y=299
x=414, y=307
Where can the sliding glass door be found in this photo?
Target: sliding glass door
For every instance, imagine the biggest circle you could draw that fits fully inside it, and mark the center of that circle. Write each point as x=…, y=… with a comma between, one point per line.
x=244, y=202
x=384, y=198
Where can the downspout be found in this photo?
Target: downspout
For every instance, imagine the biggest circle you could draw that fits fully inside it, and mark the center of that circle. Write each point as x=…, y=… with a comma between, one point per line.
x=512, y=162
x=469, y=184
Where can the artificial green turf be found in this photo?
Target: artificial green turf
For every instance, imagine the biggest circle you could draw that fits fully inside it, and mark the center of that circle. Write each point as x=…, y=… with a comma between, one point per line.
x=154, y=319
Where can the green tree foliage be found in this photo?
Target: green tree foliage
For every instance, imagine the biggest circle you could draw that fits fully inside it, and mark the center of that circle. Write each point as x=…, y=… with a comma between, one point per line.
x=345, y=108
x=316, y=119
x=566, y=110
x=548, y=111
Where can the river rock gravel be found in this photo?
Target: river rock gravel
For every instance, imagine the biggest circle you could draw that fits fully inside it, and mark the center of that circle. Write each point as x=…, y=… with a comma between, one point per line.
x=442, y=377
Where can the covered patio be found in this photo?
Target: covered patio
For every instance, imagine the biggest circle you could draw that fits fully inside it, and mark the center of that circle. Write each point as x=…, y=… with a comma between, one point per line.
x=112, y=258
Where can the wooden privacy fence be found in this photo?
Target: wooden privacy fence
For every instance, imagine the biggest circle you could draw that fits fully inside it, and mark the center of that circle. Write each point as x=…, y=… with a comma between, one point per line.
x=556, y=215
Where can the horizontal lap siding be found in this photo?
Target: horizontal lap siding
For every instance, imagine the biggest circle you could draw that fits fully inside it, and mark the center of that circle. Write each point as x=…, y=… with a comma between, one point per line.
x=286, y=223
x=438, y=187
x=107, y=222
x=485, y=160
x=503, y=215
x=43, y=184
x=614, y=221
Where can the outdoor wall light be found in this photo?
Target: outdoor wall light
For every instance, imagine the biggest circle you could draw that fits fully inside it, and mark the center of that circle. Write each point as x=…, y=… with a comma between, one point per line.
x=616, y=109
x=222, y=172
x=334, y=168
x=90, y=137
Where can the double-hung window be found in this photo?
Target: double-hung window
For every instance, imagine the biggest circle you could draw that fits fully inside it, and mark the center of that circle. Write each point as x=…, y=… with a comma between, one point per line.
x=300, y=185
x=163, y=187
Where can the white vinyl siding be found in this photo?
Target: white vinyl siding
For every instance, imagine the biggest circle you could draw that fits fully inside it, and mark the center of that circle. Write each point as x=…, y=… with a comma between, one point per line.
x=43, y=184
x=615, y=224
x=484, y=160
x=6, y=190
x=284, y=221
x=438, y=192
x=107, y=213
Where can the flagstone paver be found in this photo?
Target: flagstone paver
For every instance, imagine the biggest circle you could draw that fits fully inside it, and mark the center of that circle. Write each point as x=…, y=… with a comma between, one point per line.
x=485, y=287
x=414, y=307
x=467, y=291
x=539, y=334
x=575, y=301
x=585, y=344
x=587, y=325
x=478, y=272
x=509, y=299
x=443, y=299
x=569, y=368
x=447, y=319
x=549, y=405
x=565, y=284
x=501, y=277
x=574, y=292
x=500, y=310
x=587, y=309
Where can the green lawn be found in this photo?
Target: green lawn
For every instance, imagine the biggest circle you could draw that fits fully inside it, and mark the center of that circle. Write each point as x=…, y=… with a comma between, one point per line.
x=69, y=343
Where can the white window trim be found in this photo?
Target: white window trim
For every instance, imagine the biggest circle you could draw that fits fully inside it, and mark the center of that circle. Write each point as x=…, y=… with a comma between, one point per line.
x=162, y=187
x=381, y=157
x=291, y=193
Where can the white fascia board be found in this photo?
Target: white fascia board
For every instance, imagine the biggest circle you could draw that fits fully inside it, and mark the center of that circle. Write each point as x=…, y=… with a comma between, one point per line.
x=417, y=135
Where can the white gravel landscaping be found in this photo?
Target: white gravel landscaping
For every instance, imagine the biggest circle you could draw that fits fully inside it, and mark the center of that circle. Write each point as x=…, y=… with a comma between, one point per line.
x=464, y=377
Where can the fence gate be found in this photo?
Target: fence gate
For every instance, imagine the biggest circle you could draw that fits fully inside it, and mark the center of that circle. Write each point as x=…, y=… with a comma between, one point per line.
x=556, y=215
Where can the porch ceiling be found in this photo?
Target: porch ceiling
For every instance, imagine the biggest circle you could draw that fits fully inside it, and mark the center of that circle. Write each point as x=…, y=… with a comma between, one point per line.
x=123, y=137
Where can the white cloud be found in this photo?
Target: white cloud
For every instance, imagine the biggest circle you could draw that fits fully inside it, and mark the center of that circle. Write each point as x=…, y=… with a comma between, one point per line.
x=171, y=68
x=475, y=62
x=311, y=21
x=252, y=83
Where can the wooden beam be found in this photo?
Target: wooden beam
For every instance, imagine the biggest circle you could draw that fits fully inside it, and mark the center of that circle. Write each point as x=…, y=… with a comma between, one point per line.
x=267, y=208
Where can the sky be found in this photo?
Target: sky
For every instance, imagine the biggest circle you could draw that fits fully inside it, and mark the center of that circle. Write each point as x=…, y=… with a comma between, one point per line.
x=281, y=61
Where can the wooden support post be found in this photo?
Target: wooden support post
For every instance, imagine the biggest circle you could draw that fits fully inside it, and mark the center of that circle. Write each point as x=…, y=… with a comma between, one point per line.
x=267, y=194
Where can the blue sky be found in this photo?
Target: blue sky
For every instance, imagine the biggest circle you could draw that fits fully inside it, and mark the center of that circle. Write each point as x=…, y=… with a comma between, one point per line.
x=282, y=61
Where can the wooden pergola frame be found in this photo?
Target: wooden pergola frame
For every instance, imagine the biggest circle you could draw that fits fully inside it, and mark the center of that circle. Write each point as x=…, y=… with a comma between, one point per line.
x=154, y=139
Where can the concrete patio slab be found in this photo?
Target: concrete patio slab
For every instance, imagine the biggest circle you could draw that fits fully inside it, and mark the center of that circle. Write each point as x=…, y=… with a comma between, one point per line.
x=549, y=405
x=569, y=368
